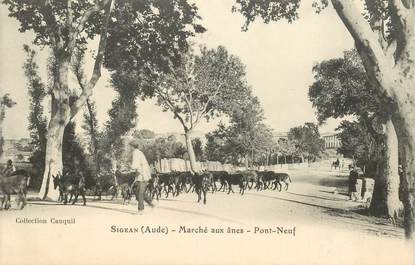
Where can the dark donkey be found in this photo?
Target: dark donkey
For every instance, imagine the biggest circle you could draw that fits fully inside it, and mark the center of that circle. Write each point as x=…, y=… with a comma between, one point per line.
x=16, y=183
x=70, y=185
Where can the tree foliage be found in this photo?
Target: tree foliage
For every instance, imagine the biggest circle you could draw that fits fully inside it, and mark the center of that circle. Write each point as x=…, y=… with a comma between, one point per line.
x=246, y=138
x=74, y=157
x=306, y=140
x=198, y=148
x=159, y=148
x=144, y=134
x=201, y=87
x=342, y=89
x=5, y=102
x=37, y=120
x=359, y=144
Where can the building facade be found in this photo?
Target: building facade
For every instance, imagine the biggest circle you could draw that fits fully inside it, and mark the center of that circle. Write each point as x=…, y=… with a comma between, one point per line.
x=331, y=141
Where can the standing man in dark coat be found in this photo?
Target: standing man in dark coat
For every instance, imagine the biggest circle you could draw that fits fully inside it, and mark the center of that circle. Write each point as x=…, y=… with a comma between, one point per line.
x=352, y=184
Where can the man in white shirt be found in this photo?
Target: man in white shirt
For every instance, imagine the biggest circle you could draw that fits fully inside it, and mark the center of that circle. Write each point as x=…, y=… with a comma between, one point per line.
x=141, y=168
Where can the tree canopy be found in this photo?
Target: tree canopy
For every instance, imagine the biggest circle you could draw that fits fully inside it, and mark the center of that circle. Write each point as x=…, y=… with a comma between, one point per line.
x=201, y=87
x=306, y=140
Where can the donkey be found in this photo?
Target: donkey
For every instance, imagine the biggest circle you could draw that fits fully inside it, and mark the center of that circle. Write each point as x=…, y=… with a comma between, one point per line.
x=282, y=178
x=14, y=184
x=70, y=185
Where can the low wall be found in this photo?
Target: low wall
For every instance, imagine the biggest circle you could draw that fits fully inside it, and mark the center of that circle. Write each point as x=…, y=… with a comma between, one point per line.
x=181, y=165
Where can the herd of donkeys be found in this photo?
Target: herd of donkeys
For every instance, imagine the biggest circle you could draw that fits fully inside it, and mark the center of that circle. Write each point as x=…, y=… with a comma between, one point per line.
x=71, y=185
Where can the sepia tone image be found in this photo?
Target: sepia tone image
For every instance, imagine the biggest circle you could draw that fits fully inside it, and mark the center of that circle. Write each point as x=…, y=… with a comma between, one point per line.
x=207, y=132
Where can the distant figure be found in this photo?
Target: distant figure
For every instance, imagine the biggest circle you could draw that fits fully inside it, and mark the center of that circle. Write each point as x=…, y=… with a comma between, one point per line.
x=401, y=179
x=335, y=164
x=352, y=184
x=9, y=168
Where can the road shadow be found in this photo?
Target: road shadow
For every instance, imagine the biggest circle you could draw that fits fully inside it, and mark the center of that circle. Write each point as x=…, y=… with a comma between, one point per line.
x=174, y=200
x=48, y=203
x=44, y=203
x=343, y=192
x=201, y=214
x=131, y=212
x=335, y=181
x=315, y=197
x=289, y=200
x=361, y=217
x=165, y=208
x=351, y=217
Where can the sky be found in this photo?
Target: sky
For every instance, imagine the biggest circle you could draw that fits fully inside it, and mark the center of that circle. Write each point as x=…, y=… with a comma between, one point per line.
x=278, y=56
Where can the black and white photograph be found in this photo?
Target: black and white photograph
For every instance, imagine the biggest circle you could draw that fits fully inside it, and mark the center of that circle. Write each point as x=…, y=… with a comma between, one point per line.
x=207, y=132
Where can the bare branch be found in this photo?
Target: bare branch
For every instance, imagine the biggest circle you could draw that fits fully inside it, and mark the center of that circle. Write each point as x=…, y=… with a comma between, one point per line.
x=69, y=16
x=358, y=27
x=87, y=14
x=188, y=101
x=375, y=60
x=96, y=74
x=171, y=106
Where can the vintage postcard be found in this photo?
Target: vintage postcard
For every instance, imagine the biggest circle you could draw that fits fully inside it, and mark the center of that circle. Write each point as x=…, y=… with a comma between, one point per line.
x=207, y=132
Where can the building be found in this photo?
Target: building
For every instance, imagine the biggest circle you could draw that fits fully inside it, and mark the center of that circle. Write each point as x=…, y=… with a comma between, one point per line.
x=331, y=141
x=281, y=135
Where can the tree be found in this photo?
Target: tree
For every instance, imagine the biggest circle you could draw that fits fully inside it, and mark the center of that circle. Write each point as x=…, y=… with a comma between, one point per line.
x=214, y=145
x=5, y=102
x=342, y=88
x=144, y=134
x=201, y=87
x=74, y=157
x=359, y=144
x=245, y=138
x=90, y=123
x=122, y=116
x=384, y=39
x=306, y=140
x=159, y=148
x=68, y=26
x=283, y=147
x=37, y=119
x=198, y=149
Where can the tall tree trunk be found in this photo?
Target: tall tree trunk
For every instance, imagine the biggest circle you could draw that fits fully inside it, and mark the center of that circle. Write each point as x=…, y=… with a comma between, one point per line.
x=190, y=151
x=60, y=117
x=2, y=110
x=391, y=68
x=406, y=137
x=93, y=131
x=53, y=158
x=391, y=171
x=267, y=159
x=385, y=200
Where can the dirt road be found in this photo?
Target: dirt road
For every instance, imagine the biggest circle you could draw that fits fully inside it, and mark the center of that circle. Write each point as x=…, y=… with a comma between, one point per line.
x=308, y=224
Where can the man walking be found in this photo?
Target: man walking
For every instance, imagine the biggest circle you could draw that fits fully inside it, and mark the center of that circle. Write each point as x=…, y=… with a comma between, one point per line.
x=141, y=169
